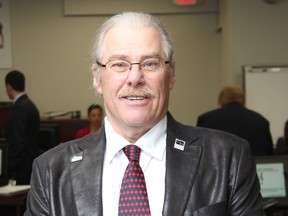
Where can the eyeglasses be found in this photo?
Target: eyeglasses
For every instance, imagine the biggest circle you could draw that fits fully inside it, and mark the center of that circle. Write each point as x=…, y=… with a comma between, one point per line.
x=149, y=66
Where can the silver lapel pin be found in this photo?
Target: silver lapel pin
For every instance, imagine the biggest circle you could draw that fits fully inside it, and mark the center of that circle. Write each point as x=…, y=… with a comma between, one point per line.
x=76, y=158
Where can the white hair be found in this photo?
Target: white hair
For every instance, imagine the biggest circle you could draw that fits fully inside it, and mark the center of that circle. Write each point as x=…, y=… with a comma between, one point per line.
x=135, y=19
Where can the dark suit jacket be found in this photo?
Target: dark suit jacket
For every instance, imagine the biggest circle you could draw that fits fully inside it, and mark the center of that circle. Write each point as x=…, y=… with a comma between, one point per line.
x=214, y=175
x=281, y=146
x=247, y=124
x=22, y=131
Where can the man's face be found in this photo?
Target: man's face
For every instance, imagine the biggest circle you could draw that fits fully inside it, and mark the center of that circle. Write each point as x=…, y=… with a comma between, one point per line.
x=135, y=101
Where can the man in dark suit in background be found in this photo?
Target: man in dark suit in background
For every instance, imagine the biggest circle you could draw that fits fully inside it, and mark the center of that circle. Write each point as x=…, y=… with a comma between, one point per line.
x=188, y=171
x=22, y=129
x=232, y=116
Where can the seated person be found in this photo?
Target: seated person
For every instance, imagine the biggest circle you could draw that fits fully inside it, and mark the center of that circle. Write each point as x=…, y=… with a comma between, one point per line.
x=282, y=142
x=232, y=116
x=95, y=118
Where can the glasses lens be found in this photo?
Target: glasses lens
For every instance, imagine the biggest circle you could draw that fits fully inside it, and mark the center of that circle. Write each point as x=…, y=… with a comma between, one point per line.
x=151, y=64
x=118, y=65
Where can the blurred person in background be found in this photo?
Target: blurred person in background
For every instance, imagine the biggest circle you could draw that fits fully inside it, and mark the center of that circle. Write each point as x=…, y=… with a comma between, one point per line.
x=22, y=129
x=232, y=116
x=95, y=118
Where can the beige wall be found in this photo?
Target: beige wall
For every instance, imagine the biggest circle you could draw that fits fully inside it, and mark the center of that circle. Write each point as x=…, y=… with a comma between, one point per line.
x=53, y=51
x=253, y=33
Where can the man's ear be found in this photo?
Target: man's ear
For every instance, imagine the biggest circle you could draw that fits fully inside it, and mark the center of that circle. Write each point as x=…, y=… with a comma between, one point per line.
x=172, y=76
x=8, y=87
x=172, y=81
x=96, y=79
x=218, y=104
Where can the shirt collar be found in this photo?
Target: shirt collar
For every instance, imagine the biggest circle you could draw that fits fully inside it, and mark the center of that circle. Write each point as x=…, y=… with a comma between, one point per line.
x=152, y=143
x=18, y=96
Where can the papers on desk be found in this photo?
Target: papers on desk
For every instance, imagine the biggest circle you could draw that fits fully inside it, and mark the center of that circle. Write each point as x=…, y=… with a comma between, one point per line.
x=13, y=189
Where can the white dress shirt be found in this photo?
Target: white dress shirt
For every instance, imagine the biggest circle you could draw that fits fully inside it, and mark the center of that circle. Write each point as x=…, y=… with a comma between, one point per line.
x=152, y=162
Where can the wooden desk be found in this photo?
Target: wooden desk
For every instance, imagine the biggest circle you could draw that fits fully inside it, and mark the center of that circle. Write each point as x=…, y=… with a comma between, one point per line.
x=13, y=205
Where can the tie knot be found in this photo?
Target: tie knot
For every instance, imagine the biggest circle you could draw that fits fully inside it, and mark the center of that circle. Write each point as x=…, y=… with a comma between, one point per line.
x=132, y=152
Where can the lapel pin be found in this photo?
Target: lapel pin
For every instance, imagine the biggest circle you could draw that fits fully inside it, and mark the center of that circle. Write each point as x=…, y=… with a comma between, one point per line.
x=179, y=144
x=76, y=158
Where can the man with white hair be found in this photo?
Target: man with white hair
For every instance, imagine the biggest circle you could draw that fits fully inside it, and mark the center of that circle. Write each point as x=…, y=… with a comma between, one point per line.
x=181, y=170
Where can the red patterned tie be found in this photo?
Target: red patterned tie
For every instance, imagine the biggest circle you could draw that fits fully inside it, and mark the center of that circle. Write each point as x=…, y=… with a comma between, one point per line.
x=133, y=194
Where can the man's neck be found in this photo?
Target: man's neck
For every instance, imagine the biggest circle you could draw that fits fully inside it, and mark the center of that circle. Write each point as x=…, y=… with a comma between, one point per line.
x=17, y=95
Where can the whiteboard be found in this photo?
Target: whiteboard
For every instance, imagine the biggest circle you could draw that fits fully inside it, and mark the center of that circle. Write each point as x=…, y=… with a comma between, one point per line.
x=266, y=90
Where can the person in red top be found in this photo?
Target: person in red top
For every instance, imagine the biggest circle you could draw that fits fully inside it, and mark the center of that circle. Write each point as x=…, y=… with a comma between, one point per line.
x=95, y=118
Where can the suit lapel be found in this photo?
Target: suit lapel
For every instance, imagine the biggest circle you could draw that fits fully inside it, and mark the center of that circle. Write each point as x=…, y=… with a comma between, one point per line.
x=181, y=168
x=86, y=175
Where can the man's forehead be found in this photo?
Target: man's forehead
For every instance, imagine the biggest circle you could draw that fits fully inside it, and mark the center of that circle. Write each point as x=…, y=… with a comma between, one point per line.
x=131, y=32
x=127, y=41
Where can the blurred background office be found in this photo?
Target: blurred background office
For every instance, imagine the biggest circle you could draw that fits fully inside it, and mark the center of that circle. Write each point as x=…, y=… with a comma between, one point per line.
x=213, y=40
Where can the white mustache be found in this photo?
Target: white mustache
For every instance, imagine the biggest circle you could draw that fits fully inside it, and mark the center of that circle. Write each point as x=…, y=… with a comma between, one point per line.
x=132, y=92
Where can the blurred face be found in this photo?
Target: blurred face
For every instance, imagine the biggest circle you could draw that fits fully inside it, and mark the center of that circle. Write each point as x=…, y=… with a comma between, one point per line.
x=136, y=102
x=95, y=118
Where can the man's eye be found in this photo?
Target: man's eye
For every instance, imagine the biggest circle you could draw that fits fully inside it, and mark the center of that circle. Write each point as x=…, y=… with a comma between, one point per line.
x=150, y=64
x=119, y=65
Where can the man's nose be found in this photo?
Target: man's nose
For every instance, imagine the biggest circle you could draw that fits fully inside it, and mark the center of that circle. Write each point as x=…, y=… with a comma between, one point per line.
x=135, y=75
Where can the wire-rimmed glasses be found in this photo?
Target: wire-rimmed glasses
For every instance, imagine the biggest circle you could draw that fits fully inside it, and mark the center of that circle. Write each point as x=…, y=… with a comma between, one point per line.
x=152, y=66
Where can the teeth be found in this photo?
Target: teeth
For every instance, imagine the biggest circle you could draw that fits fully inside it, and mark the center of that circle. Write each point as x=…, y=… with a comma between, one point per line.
x=135, y=98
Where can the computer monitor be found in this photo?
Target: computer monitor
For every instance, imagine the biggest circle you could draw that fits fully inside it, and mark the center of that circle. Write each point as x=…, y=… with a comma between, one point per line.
x=272, y=173
x=48, y=137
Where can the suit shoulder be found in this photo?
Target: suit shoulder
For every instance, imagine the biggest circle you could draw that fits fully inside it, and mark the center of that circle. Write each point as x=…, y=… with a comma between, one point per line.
x=213, y=138
x=210, y=113
x=257, y=115
x=61, y=152
x=210, y=133
x=64, y=152
x=214, y=142
x=206, y=135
